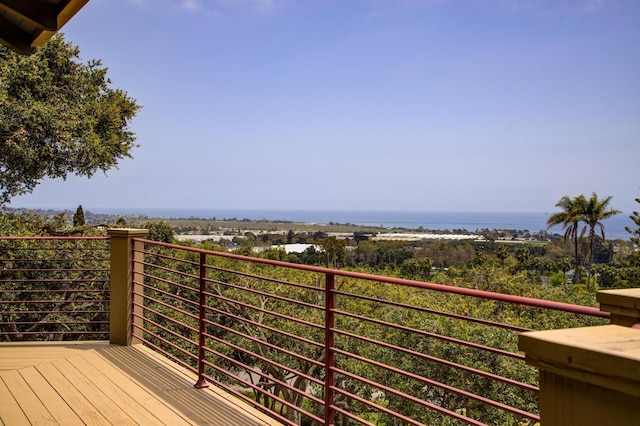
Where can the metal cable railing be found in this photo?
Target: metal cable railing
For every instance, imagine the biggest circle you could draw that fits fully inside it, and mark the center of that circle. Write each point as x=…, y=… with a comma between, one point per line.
x=314, y=345
x=54, y=288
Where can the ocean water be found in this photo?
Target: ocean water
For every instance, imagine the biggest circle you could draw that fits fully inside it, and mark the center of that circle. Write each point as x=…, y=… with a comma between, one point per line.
x=434, y=220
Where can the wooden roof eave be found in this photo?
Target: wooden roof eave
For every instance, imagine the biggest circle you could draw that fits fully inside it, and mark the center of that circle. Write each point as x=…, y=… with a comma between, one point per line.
x=25, y=24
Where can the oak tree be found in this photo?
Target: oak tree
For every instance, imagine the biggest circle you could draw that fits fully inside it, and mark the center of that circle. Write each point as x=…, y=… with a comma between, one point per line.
x=58, y=116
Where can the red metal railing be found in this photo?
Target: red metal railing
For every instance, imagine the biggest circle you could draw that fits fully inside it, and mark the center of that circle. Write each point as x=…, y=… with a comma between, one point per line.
x=313, y=345
x=54, y=288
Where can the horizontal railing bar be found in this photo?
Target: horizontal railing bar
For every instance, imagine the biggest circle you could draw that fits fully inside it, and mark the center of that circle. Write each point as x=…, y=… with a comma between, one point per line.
x=54, y=238
x=51, y=312
x=165, y=281
x=269, y=395
x=31, y=333
x=56, y=291
x=413, y=399
x=482, y=294
x=53, y=301
x=172, y=332
x=269, y=295
x=58, y=260
x=173, y=345
x=267, y=344
x=266, y=311
x=271, y=345
x=166, y=293
x=166, y=269
x=162, y=351
x=435, y=383
x=242, y=396
x=146, y=297
x=49, y=270
x=433, y=335
x=271, y=305
x=436, y=312
x=167, y=257
x=168, y=318
x=451, y=364
x=273, y=280
x=351, y=416
x=266, y=327
x=52, y=322
x=261, y=373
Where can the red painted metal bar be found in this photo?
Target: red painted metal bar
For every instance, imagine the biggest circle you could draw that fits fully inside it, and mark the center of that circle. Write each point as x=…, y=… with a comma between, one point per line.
x=271, y=295
x=166, y=293
x=352, y=416
x=242, y=396
x=275, y=314
x=329, y=354
x=237, y=287
x=263, y=278
x=202, y=382
x=169, y=306
x=424, y=356
x=433, y=335
x=262, y=358
x=403, y=418
x=267, y=344
x=430, y=382
x=436, y=312
x=482, y=294
x=257, y=372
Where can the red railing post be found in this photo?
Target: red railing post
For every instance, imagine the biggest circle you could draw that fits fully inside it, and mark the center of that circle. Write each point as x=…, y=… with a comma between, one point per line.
x=329, y=355
x=202, y=382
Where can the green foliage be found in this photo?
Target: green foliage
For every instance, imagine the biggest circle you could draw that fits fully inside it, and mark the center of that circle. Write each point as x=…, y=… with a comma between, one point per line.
x=159, y=231
x=31, y=224
x=419, y=269
x=591, y=212
x=635, y=237
x=557, y=279
x=333, y=251
x=58, y=116
x=69, y=267
x=78, y=217
x=570, y=217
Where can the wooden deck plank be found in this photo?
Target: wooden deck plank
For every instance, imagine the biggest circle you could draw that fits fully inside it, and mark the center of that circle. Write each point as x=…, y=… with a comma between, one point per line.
x=124, y=392
x=94, y=394
x=11, y=413
x=67, y=391
x=36, y=413
x=59, y=409
x=175, y=385
x=15, y=355
x=102, y=384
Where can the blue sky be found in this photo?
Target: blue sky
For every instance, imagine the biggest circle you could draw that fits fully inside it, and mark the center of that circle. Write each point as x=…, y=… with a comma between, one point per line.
x=478, y=105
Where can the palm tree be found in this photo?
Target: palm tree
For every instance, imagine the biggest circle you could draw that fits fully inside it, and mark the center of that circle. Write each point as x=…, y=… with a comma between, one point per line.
x=595, y=211
x=570, y=217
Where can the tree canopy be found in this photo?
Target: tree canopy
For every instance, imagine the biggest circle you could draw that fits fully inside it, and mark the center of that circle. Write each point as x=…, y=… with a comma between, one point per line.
x=58, y=116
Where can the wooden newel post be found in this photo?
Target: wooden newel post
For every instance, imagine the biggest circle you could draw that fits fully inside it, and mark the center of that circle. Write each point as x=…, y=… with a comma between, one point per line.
x=623, y=304
x=590, y=375
x=122, y=283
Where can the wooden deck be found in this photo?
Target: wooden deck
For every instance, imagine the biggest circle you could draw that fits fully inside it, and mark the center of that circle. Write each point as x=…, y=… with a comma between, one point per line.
x=95, y=383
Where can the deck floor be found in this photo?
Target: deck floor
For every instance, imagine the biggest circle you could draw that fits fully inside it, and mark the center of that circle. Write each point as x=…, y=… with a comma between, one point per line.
x=95, y=383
